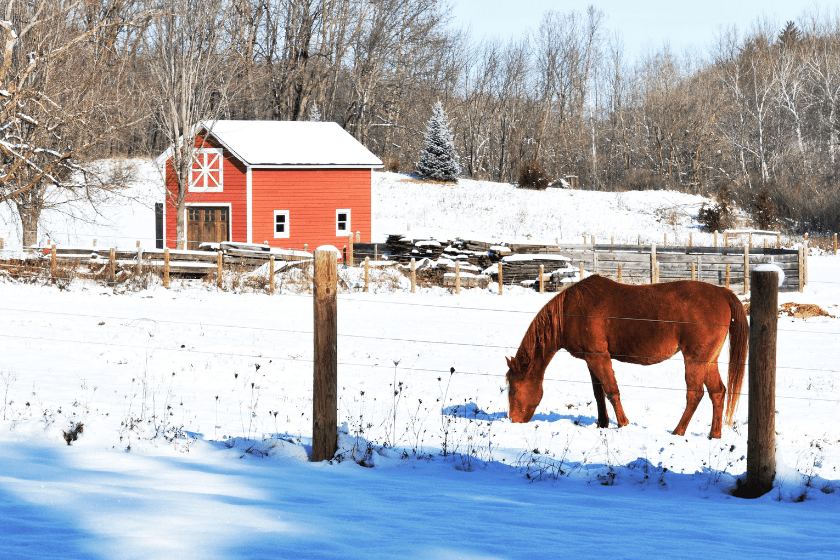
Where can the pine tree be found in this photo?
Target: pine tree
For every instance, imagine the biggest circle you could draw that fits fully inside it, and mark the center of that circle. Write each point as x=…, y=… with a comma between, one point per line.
x=438, y=160
x=314, y=114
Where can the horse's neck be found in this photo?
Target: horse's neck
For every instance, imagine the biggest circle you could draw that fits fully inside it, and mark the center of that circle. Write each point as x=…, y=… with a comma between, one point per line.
x=544, y=336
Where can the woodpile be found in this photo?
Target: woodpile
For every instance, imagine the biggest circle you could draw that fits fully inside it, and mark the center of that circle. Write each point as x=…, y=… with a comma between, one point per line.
x=520, y=268
x=403, y=249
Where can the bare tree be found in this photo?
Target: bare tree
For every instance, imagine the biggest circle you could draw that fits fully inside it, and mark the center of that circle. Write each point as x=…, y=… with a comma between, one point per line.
x=190, y=87
x=54, y=104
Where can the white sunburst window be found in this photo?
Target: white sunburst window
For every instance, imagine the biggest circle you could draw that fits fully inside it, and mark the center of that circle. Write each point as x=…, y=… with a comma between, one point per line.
x=206, y=170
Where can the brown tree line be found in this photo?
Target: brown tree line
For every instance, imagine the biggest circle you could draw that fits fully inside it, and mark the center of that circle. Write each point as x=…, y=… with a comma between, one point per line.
x=754, y=120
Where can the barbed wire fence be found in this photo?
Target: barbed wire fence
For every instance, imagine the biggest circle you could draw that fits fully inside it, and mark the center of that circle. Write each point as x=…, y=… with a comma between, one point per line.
x=403, y=372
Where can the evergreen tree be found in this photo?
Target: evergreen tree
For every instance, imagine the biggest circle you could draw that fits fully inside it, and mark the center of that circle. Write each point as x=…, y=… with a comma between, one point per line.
x=314, y=114
x=437, y=160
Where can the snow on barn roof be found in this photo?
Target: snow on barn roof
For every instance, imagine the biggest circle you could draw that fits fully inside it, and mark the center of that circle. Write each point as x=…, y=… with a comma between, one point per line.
x=290, y=143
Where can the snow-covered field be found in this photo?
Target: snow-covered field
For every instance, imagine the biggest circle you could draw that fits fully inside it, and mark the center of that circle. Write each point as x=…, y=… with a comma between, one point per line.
x=196, y=412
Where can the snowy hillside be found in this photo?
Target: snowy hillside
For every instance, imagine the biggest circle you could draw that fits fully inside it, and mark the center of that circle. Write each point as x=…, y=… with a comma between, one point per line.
x=188, y=414
x=470, y=209
x=485, y=210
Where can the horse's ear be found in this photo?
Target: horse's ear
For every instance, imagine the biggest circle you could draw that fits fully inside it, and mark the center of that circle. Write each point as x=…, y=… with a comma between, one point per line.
x=509, y=362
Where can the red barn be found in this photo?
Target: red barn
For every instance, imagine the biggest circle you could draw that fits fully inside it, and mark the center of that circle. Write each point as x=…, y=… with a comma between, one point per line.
x=283, y=183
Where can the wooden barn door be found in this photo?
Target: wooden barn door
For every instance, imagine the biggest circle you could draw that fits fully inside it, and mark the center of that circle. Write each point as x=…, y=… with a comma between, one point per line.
x=207, y=224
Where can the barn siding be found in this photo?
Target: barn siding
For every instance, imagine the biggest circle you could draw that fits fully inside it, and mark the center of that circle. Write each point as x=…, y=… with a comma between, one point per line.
x=234, y=193
x=311, y=196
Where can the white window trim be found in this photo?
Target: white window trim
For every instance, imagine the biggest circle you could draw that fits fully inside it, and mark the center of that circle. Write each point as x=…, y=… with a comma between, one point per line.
x=349, y=230
x=207, y=157
x=274, y=224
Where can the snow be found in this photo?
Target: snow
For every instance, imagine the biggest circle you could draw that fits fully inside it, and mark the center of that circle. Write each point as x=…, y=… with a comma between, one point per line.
x=769, y=267
x=292, y=143
x=502, y=213
x=226, y=474
x=538, y=257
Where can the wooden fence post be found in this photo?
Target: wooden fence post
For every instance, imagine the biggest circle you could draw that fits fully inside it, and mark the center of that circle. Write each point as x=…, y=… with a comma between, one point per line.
x=835, y=243
x=457, y=277
x=112, y=266
x=584, y=239
x=761, y=436
x=305, y=245
x=52, y=261
x=665, y=240
x=779, y=240
x=325, y=374
x=746, y=269
x=639, y=240
x=166, y=268
x=801, y=267
x=581, y=271
x=653, y=264
x=500, y=278
x=358, y=237
x=271, y=274
x=726, y=239
x=693, y=276
x=619, y=273
x=542, y=282
x=413, y=277
x=805, y=259
x=2, y=244
x=138, y=243
x=367, y=274
x=94, y=242
x=350, y=250
x=716, y=242
x=219, y=260
x=727, y=276
x=138, y=268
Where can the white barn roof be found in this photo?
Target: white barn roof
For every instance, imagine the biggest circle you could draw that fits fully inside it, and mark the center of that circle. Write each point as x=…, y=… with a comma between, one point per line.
x=290, y=144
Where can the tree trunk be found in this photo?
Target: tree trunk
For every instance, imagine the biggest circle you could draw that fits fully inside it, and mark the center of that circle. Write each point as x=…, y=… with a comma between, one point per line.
x=29, y=223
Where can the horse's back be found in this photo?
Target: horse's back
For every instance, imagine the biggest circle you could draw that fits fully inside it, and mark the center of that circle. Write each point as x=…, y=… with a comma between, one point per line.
x=645, y=323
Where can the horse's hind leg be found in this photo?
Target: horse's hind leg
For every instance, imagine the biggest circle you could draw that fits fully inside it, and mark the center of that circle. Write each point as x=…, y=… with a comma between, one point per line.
x=717, y=392
x=603, y=378
x=695, y=374
x=603, y=415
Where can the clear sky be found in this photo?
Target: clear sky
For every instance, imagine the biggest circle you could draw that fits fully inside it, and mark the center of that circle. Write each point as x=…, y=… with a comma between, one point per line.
x=643, y=24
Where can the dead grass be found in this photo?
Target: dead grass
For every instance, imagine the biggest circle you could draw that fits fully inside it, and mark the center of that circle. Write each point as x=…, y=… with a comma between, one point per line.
x=426, y=181
x=802, y=310
x=797, y=310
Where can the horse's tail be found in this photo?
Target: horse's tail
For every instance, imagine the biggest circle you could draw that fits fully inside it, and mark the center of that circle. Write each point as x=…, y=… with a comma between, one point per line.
x=739, y=334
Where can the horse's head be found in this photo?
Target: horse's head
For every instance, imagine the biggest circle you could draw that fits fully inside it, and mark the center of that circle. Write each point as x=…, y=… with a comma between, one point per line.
x=524, y=392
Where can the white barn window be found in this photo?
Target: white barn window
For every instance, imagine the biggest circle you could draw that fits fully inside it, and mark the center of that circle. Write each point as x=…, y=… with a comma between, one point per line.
x=343, y=226
x=206, y=170
x=281, y=224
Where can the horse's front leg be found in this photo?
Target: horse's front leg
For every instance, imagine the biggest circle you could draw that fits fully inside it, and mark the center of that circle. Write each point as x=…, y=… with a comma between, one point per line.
x=603, y=381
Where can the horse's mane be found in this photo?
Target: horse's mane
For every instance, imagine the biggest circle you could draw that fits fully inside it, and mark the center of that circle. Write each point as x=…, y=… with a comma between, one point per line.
x=543, y=334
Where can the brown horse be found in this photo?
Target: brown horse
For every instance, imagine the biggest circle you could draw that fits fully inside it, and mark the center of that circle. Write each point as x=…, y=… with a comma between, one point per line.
x=597, y=320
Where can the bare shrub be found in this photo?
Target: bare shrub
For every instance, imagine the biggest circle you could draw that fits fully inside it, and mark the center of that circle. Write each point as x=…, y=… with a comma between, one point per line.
x=533, y=176
x=764, y=211
x=718, y=216
x=393, y=165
